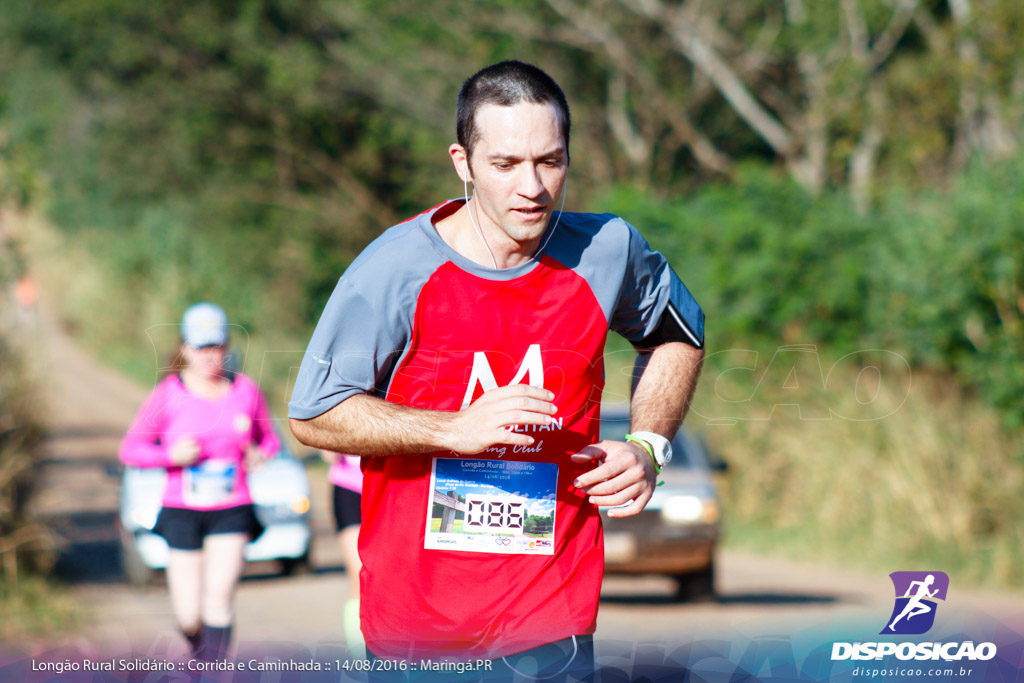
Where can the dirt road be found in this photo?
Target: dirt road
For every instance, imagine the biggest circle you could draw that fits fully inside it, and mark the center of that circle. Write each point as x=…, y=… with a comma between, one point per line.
x=90, y=406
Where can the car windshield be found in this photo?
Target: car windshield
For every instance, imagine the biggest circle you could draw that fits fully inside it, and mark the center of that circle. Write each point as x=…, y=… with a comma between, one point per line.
x=615, y=429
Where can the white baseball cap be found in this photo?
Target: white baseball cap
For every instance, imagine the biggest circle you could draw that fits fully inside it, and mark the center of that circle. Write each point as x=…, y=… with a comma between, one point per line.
x=204, y=324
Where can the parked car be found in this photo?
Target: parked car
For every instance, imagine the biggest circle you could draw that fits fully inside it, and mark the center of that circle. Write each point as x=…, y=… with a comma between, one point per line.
x=677, y=533
x=280, y=492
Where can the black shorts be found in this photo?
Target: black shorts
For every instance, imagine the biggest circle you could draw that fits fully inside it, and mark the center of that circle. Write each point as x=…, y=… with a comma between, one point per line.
x=347, y=505
x=184, y=529
x=569, y=659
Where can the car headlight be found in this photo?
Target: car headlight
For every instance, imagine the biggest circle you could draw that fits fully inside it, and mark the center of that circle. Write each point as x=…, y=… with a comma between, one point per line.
x=683, y=509
x=145, y=517
x=300, y=505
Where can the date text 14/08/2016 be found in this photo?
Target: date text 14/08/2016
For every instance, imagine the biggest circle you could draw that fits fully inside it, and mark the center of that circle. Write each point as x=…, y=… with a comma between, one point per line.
x=421, y=665
x=273, y=664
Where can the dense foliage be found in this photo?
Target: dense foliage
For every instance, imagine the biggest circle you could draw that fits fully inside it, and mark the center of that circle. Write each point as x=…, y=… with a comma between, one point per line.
x=936, y=278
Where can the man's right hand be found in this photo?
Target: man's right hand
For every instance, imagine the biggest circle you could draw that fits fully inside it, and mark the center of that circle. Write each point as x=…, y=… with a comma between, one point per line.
x=484, y=423
x=184, y=452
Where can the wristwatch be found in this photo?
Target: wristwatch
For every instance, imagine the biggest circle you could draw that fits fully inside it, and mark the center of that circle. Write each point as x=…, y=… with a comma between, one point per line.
x=661, y=446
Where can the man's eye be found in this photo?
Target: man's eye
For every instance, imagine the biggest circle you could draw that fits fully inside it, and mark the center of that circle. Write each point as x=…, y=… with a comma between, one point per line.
x=503, y=166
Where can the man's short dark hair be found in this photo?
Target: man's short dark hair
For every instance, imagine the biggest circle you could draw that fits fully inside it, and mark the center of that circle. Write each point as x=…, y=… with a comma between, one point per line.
x=505, y=84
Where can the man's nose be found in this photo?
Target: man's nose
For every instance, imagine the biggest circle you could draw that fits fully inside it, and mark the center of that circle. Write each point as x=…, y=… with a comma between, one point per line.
x=530, y=184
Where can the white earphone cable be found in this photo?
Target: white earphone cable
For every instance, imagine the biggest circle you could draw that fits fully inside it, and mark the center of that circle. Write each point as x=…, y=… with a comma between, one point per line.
x=480, y=234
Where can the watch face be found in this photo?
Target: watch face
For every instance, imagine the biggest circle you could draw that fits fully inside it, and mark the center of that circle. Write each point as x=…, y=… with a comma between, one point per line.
x=661, y=447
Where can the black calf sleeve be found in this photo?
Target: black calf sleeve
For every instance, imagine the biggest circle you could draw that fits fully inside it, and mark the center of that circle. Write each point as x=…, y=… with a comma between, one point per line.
x=215, y=642
x=195, y=639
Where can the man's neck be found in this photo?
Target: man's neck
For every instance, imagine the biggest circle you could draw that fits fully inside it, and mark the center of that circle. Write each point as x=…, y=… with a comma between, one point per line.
x=456, y=227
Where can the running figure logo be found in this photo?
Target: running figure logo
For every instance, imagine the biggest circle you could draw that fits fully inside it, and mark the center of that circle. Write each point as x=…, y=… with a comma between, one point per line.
x=916, y=592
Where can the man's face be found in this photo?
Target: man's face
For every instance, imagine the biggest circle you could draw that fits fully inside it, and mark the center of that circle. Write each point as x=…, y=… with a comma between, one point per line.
x=518, y=170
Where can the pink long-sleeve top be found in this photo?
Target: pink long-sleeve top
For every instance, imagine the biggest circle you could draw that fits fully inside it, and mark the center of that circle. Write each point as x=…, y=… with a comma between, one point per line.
x=222, y=426
x=347, y=473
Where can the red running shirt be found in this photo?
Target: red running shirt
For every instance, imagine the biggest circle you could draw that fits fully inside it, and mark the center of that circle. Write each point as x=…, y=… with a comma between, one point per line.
x=480, y=556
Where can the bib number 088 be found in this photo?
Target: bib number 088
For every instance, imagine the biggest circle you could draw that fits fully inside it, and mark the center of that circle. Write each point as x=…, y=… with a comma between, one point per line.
x=495, y=514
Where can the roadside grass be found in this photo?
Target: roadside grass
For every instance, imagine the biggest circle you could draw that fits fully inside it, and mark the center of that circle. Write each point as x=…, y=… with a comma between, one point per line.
x=31, y=604
x=135, y=328
x=38, y=608
x=858, y=461
x=887, y=470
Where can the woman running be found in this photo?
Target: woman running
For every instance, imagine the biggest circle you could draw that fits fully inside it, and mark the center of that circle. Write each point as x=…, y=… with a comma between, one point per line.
x=207, y=427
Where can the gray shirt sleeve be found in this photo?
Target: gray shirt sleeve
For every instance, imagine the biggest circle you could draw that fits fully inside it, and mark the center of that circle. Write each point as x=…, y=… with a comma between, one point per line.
x=651, y=290
x=366, y=325
x=353, y=350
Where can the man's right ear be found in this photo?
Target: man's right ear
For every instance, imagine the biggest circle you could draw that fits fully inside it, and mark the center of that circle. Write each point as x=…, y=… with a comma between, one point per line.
x=461, y=161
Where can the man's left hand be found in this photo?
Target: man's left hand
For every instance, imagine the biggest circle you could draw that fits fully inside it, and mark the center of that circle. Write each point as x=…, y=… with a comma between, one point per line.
x=625, y=472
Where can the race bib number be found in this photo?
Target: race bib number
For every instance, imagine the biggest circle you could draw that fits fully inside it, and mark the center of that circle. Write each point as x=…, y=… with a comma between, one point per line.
x=209, y=483
x=492, y=506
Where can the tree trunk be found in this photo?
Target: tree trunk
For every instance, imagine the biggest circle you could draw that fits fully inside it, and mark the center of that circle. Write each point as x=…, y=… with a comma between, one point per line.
x=864, y=158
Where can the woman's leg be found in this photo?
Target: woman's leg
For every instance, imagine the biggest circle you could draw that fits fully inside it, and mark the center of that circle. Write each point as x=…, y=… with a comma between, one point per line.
x=184, y=582
x=222, y=567
x=349, y=540
x=347, y=517
x=223, y=563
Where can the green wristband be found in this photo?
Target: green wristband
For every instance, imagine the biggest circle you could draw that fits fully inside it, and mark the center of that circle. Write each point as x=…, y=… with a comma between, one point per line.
x=650, y=451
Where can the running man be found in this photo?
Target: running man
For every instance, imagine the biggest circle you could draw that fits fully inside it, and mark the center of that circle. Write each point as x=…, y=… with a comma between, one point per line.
x=463, y=352
x=916, y=605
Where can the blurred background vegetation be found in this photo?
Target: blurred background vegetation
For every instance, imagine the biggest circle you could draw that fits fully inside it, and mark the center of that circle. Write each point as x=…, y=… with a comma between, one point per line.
x=27, y=549
x=842, y=181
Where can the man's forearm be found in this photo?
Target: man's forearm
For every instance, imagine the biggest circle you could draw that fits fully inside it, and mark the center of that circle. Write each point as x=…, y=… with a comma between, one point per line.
x=664, y=382
x=366, y=425
x=662, y=390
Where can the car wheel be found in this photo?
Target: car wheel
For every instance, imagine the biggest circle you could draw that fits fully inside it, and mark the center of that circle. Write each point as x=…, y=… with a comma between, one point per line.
x=137, y=572
x=296, y=566
x=696, y=586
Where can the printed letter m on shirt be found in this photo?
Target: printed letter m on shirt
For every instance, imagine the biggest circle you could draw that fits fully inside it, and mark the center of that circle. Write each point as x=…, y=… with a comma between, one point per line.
x=532, y=367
